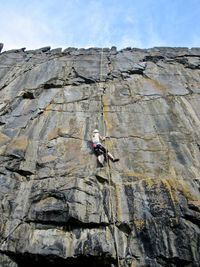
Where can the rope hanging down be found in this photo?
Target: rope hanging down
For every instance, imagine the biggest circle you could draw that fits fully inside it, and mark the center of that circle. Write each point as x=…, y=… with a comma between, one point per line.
x=108, y=167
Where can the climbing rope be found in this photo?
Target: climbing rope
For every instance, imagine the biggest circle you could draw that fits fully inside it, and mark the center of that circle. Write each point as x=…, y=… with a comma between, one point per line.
x=108, y=167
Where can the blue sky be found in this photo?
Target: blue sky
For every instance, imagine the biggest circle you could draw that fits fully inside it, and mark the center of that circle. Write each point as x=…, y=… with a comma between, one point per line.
x=99, y=23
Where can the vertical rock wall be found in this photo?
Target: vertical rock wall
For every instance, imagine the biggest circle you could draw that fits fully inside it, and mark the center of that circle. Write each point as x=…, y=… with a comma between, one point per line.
x=58, y=207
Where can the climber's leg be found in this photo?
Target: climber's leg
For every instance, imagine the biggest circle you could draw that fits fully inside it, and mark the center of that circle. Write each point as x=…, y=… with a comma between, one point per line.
x=112, y=158
x=100, y=159
x=107, y=154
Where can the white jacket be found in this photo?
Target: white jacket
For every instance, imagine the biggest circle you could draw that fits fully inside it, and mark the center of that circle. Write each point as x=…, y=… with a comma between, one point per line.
x=97, y=138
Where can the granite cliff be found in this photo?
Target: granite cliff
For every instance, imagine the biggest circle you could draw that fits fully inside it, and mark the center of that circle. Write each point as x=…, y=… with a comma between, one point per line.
x=58, y=207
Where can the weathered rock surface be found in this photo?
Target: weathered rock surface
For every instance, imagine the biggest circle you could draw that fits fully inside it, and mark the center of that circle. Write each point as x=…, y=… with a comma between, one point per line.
x=57, y=206
x=1, y=47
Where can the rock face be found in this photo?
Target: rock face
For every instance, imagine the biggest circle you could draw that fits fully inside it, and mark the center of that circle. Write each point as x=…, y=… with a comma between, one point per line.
x=1, y=47
x=58, y=207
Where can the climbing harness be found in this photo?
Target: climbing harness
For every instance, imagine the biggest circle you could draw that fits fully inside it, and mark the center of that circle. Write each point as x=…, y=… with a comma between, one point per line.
x=108, y=167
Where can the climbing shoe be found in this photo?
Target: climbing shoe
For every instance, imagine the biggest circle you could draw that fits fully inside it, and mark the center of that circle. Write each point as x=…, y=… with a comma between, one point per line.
x=115, y=160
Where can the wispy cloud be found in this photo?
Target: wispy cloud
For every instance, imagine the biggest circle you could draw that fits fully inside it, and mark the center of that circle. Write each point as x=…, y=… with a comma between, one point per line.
x=102, y=23
x=21, y=28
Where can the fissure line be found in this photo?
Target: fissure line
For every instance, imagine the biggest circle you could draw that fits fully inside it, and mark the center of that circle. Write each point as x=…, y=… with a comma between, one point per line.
x=108, y=167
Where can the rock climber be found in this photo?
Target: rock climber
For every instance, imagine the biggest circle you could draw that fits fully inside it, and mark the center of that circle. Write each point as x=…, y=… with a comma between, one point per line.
x=99, y=149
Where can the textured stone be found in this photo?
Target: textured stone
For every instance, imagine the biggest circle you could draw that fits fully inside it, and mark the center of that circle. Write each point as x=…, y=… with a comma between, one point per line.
x=58, y=207
x=1, y=47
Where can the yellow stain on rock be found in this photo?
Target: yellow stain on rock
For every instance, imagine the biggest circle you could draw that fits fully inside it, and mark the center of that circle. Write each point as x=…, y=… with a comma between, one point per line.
x=157, y=85
x=58, y=131
x=172, y=186
x=171, y=191
x=107, y=120
x=139, y=224
x=136, y=175
x=3, y=139
x=49, y=158
x=183, y=187
x=53, y=134
x=118, y=201
x=48, y=108
x=2, y=149
x=18, y=143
